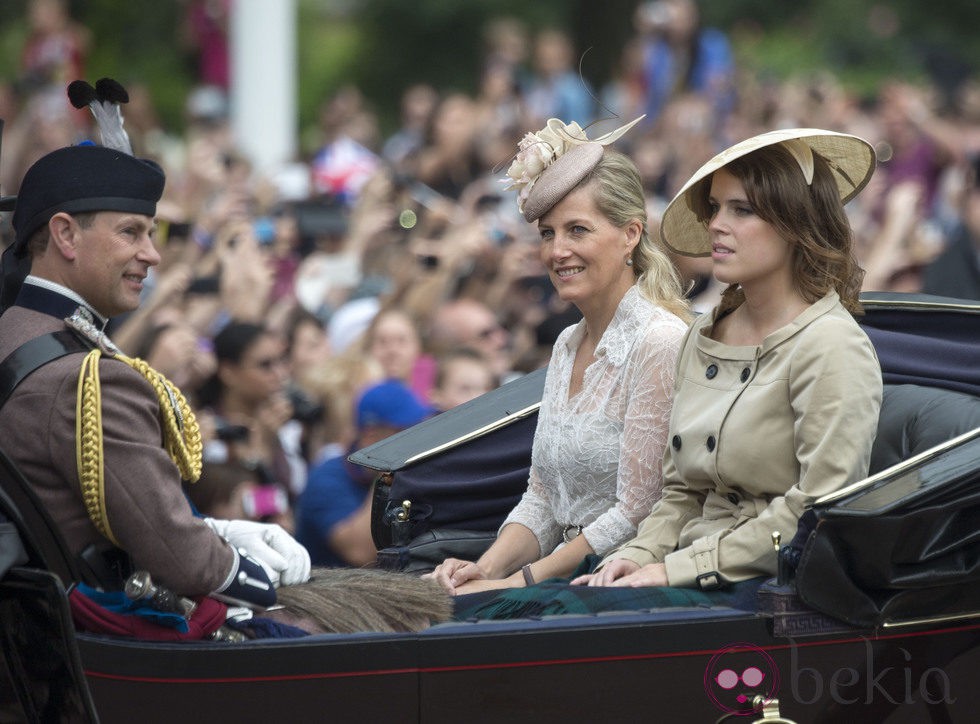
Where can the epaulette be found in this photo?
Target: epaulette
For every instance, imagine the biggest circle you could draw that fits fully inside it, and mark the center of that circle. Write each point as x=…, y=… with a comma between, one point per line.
x=83, y=323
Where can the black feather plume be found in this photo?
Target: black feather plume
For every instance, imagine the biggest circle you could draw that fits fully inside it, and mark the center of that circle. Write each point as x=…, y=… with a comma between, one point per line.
x=81, y=93
x=112, y=91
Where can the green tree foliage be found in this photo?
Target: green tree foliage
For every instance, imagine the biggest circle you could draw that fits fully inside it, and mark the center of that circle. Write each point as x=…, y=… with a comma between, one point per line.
x=140, y=42
x=134, y=42
x=862, y=41
x=436, y=41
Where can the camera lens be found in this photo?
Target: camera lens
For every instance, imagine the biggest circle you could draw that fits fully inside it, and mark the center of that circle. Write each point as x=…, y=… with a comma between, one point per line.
x=305, y=409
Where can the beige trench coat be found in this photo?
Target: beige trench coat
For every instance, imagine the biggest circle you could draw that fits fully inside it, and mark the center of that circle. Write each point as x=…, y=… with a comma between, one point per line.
x=756, y=434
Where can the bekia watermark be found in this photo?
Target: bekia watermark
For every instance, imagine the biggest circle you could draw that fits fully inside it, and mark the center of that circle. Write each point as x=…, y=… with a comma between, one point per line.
x=895, y=680
x=741, y=672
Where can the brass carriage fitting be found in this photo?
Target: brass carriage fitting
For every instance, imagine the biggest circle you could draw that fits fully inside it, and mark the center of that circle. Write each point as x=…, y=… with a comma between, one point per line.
x=770, y=711
x=403, y=514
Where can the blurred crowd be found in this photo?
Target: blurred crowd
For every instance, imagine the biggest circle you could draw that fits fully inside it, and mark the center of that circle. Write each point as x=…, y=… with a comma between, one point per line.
x=401, y=257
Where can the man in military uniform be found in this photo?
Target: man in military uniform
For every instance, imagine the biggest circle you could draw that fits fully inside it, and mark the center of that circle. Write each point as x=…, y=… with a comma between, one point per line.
x=86, y=429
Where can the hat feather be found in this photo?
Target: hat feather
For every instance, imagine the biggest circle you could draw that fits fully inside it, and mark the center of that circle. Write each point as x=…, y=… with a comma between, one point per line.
x=81, y=93
x=111, y=91
x=103, y=100
x=800, y=150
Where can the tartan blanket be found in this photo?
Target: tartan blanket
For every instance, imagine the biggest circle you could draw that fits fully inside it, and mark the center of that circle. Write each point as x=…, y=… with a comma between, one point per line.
x=556, y=596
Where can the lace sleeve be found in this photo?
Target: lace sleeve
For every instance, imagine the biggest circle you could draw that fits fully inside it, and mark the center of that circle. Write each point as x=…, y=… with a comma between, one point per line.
x=534, y=511
x=647, y=393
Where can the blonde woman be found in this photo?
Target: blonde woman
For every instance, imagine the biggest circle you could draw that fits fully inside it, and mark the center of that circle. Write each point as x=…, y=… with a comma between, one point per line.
x=602, y=428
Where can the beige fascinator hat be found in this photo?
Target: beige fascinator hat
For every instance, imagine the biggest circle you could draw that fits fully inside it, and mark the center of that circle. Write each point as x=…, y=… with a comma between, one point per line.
x=851, y=159
x=552, y=162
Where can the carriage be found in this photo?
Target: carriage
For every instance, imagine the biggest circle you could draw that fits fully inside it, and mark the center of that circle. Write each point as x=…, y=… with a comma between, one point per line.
x=831, y=642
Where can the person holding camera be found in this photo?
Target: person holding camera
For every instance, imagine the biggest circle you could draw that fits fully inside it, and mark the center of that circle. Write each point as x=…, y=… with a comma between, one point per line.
x=247, y=400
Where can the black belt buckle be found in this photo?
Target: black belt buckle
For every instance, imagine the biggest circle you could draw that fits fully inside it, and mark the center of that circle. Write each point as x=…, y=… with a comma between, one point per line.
x=709, y=581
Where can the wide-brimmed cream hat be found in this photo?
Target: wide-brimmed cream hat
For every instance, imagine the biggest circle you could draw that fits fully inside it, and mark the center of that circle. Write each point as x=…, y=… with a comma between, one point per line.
x=851, y=159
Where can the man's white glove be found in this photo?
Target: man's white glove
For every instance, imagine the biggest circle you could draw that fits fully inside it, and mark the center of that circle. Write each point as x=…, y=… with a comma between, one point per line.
x=283, y=558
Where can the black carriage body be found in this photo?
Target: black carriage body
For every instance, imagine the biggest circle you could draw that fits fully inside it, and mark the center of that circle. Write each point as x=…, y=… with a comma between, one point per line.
x=622, y=667
x=634, y=666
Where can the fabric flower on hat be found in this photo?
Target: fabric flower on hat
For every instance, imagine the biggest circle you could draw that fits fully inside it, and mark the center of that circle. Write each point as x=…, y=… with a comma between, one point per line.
x=537, y=151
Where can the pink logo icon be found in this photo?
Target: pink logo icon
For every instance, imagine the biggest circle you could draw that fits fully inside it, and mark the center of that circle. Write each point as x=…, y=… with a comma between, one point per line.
x=738, y=674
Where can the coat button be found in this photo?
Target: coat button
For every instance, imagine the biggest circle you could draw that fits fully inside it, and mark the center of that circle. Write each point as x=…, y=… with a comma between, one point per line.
x=733, y=498
x=711, y=371
x=676, y=442
x=711, y=443
x=745, y=374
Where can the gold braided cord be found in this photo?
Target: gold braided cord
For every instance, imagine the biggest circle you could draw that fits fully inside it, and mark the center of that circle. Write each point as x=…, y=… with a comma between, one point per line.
x=182, y=436
x=88, y=450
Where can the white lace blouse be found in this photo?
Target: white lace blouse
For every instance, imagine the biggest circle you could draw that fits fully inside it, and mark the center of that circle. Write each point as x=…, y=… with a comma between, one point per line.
x=596, y=457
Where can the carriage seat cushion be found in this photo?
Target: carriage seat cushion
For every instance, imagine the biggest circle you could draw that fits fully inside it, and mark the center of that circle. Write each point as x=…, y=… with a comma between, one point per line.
x=915, y=418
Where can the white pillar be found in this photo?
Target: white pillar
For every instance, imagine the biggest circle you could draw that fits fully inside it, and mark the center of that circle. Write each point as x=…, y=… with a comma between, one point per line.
x=263, y=81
